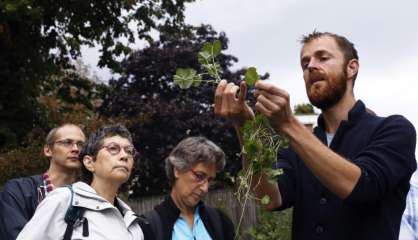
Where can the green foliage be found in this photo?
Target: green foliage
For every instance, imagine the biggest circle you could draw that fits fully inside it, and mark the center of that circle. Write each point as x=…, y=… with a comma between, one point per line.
x=304, y=108
x=187, y=77
x=251, y=76
x=160, y=114
x=265, y=200
x=40, y=38
x=272, y=226
x=71, y=97
x=261, y=144
x=67, y=25
x=207, y=57
x=24, y=161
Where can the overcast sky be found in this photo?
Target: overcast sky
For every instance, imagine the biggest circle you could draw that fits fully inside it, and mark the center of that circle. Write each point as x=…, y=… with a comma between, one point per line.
x=265, y=34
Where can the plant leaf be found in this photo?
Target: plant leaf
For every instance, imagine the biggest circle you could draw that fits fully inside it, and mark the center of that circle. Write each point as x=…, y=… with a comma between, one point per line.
x=216, y=48
x=276, y=172
x=203, y=57
x=197, y=80
x=211, y=50
x=207, y=47
x=185, y=77
x=265, y=200
x=214, y=70
x=251, y=76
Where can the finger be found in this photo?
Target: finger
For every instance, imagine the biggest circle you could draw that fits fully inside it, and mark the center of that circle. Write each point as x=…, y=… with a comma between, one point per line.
x=231, y=92
x=267, y=103
x=262, y=109
x=266, y=94
x=270, y=88
x=242, y=92
x=218, y=96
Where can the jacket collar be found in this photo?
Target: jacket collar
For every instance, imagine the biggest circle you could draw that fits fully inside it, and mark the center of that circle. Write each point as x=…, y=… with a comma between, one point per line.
x=169, y=209
x=85, y=196
x=353, y=115
x=171, y=213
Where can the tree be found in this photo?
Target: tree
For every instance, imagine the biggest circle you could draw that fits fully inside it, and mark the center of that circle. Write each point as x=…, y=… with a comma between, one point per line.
x=39, y=38
x=304, y=108
x=71, y=97
x=160, y=114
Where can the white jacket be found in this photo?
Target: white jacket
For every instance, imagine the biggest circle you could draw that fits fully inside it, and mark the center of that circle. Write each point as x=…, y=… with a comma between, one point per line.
x=105, y=221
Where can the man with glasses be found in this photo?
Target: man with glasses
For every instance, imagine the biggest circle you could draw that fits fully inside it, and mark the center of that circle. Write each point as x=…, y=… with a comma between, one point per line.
x=21, y=196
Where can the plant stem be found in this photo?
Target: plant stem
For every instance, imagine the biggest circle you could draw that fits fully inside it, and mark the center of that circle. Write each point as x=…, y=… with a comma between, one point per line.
x=246, y=189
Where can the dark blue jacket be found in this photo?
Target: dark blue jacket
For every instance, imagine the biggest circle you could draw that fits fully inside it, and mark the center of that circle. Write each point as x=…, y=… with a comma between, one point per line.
x=18, y=202
x=384, y=150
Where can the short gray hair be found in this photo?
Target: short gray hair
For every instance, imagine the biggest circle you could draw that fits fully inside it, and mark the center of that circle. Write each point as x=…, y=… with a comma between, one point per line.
x=191, y=151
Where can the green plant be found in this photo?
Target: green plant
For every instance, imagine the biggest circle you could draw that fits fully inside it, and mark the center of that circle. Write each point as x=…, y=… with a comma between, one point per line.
x=260, y=148
x=261, y=143
x=304, y=108
x=188, y=77
x=272, y=225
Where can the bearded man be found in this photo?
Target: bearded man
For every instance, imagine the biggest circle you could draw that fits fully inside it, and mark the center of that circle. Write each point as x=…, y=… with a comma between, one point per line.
x=350, y=177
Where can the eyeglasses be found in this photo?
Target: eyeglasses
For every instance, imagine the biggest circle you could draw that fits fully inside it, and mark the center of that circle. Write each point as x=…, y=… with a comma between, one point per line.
x=201, y=178
x=114, y=149
x=69, y=143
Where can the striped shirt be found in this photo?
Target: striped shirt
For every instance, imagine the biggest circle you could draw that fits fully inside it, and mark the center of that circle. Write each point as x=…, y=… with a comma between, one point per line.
x=409, y=222
x=45, y=188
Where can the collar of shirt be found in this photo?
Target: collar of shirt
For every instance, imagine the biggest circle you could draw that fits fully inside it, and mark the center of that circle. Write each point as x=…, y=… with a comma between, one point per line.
x=353, y=115
x=47, y=183
x=182, y=231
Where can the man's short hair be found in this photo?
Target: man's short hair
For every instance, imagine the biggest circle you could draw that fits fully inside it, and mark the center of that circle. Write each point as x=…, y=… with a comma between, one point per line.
x=95, y=142
x=191, y=151
x=51, y=137
x=347, y=47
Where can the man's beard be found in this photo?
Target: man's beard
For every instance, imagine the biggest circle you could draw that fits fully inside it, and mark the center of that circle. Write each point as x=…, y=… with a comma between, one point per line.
x=330, y=94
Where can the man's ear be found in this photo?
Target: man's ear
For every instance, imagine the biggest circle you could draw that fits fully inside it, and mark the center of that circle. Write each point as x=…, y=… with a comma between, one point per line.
x=88, y=163
x=352, y=68
x=47, y=150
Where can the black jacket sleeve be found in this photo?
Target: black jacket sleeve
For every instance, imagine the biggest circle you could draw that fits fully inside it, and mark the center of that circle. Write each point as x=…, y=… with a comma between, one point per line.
x=388, y=161
x=227, y=225
x=18, y=202
x=145, y=225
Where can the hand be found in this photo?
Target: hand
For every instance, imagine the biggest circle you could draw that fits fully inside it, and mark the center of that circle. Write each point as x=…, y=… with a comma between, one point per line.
x=274, y=103
x=231, y=107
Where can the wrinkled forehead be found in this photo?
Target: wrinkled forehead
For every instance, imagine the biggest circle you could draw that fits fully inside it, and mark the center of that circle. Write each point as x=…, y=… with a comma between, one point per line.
x=117, y=139
x=209, y=168
x=323, y=44
x=69, y=132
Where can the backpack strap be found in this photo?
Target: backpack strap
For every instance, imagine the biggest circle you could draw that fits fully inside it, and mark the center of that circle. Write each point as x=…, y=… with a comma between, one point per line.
x=155, y=223
x=73, y=214
x=215, y=218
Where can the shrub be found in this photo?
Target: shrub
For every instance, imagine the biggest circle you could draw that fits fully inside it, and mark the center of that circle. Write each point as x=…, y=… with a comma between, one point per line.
x=272, y=225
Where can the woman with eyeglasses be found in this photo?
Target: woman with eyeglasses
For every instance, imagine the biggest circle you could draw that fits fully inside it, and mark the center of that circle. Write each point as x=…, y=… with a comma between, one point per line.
x=90, y=209
x=191, y=167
